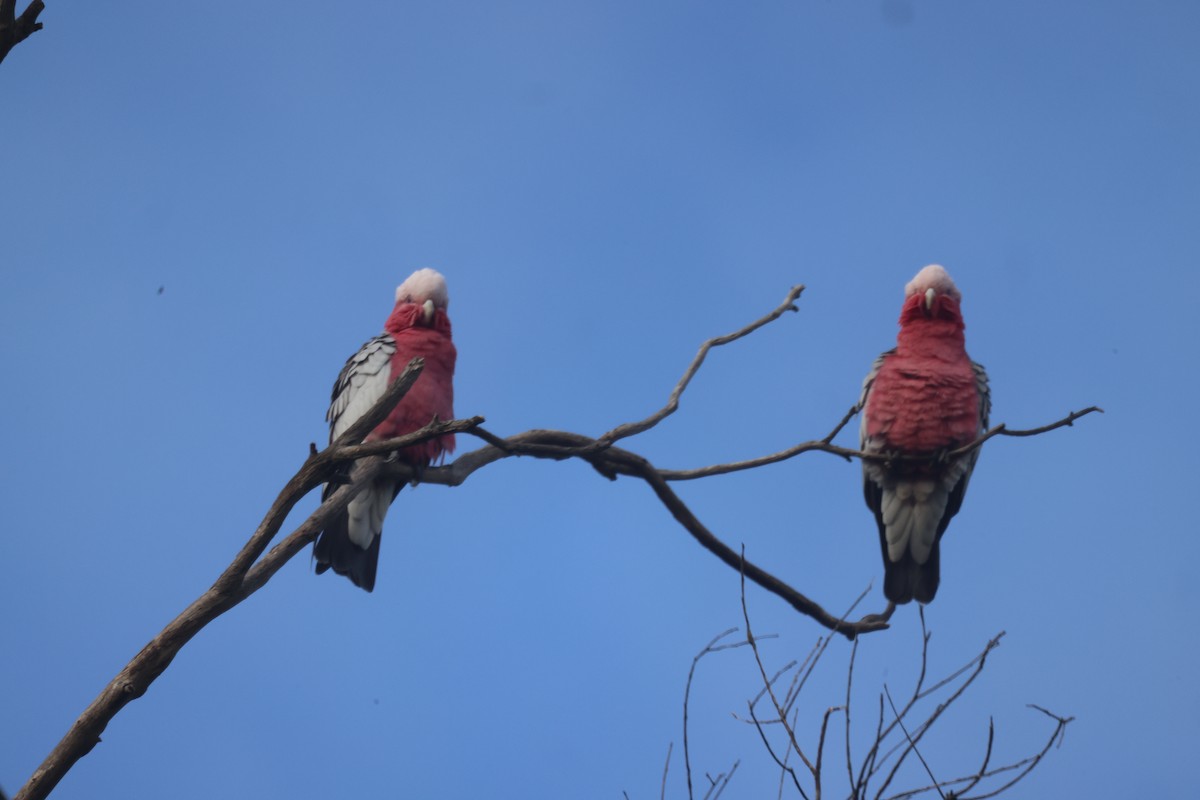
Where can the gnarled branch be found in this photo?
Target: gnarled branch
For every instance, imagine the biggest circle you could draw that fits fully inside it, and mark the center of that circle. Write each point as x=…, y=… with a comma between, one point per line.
x=14, y=29
x=251, y=568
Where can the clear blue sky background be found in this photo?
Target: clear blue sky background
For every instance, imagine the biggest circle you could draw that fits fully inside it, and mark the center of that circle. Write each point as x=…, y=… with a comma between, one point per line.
x=605, y=185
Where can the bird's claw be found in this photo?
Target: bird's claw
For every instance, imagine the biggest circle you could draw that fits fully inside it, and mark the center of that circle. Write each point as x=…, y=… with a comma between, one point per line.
x=881, y=617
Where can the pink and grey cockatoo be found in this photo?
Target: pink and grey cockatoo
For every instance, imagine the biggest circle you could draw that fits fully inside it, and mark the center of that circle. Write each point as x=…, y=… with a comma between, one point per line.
x=923, y=398
x=418, y=326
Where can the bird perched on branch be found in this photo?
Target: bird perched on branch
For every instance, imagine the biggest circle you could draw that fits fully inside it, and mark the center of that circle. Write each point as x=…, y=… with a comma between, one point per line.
x=417, y=326
x=921, y=400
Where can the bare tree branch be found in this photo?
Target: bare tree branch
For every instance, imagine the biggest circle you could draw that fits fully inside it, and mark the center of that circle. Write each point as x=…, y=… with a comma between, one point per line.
x=634, y=428
x=235, y=584
x=872, y=763
x=711, y=647
x=825, y=446
x=1057, y=735
x=251, y=569
x=913, y=745
x=14, y=29
x=662, y=795
x=979, y=662
x=782, y=715
x=717, y=785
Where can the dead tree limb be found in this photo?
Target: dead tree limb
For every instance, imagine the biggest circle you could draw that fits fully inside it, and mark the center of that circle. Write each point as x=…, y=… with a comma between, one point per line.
x=235, y=584
x=254, y=565
x=14, y=29
x=888, y=745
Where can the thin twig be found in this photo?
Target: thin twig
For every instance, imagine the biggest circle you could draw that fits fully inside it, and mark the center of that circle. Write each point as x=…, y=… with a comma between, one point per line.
x=717, y=785
x=711, y=647
x=786, y=756
x=634, y=428
x=821, y=747
x=662, y=795
x=916, y=695
x=987, y=758
x=912, y=744
x=766, y=682
x=849, y=685
x=980, y=662
x=782, y=762
x=1057, y=735
x=826, y=446
x=1003, y=430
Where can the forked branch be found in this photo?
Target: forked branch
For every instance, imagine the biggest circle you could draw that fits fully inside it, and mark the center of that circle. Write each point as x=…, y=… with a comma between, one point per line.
x=888, y=744
x=14, y=29
x=254, y=565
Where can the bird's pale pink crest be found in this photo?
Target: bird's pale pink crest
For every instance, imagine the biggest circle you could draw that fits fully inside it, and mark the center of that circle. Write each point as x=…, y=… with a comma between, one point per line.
x=933, y=277
x=424, y=284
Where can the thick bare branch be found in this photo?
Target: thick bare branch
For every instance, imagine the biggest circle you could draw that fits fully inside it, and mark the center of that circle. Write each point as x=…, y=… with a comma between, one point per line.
x=615, y=461
x=612, y=461
x=316, y=470
x=251, y=569
x=235, y=584
x=14, y=29
x=378, y=412
x=135, y=678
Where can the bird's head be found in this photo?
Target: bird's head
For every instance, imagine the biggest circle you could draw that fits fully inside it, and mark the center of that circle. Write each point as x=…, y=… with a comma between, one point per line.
x=931, y=294
x=426, y=289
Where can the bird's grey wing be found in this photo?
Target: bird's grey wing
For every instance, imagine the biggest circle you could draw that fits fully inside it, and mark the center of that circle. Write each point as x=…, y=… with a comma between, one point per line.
x=362, y=381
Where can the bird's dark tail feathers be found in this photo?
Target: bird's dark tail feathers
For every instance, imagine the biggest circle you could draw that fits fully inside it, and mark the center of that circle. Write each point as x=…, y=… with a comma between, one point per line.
x=906, y=580
x=334, y=550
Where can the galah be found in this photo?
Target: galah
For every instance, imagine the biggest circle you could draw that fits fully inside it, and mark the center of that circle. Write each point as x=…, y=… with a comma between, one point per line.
x=417, y=326
x=922, y=399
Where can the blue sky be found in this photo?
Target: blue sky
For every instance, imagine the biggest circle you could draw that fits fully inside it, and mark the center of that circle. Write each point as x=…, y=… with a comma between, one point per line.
x=605, y=185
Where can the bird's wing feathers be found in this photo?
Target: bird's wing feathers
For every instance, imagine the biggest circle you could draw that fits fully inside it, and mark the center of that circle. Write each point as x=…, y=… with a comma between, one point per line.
x=868, y=382
x=361, y=383
x=985, y=394
x=959, y=489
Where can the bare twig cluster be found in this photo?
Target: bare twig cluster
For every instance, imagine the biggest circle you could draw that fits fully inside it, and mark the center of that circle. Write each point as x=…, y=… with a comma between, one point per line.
x=888, y=743
x=254, y=565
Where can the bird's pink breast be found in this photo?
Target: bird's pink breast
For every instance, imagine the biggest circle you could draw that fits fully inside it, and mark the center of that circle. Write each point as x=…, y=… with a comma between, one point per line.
x=923, y=403
x=432, y=395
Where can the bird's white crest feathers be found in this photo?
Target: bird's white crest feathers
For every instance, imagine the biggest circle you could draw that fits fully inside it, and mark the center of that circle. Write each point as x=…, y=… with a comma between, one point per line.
x=933, y=277
x=424, y=284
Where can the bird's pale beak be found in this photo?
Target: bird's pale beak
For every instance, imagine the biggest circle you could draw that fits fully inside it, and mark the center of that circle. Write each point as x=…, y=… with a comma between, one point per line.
x=929, y=295
x=428, y=309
